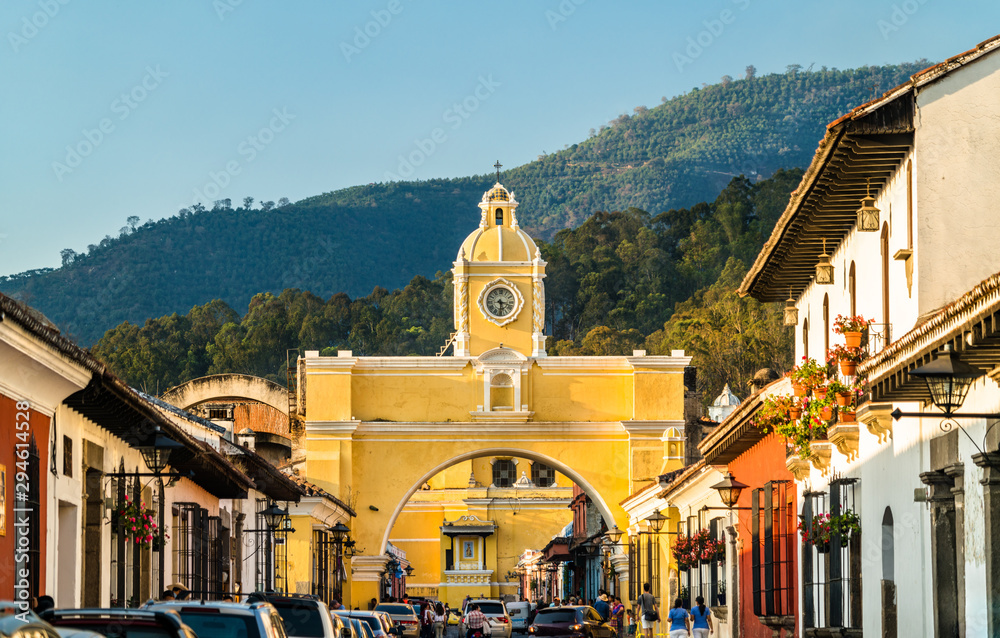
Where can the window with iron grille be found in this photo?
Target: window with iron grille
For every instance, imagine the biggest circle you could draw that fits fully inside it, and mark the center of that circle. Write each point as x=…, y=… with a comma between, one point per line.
x=504, y=473
x=321, y=553
x=708, y=578
x=542, y=475
x=196, y=554
x=772, y=524
x=644, y=564
x=34, y=565
x=831, y=572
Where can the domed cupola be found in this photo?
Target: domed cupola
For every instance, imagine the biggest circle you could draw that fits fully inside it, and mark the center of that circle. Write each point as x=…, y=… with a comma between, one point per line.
x=498, y=238
x=499, y=297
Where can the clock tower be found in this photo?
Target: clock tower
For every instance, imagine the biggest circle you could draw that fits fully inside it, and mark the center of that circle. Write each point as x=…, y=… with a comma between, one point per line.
x=499, y=294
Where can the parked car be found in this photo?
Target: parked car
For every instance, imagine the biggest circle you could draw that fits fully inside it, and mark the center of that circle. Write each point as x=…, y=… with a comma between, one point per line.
x=361, y=628
x=15, y=623
x=379, y=622
x=342, y=626
x=109, y=622
x=579, y=621
x=519, y=612
x=496, y=614
x=304, y=616
x=258, y=619
x=403, y=615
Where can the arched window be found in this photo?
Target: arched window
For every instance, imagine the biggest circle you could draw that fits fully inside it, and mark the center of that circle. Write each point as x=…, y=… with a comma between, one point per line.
x=852, y=290
x=826, y=326
x=504, y=471
x=885, y=274
x=805, y=338
x=542, y=475
x=499, y=217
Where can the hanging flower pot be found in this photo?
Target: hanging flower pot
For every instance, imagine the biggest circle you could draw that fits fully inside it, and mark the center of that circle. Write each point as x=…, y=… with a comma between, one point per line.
x=848, y=415
x=848, y=368
x=800, y=389
x=826, y=412
x=795, y=412
x=819, y=393
x=823, y=548
x=843, y=398
x=853, y=339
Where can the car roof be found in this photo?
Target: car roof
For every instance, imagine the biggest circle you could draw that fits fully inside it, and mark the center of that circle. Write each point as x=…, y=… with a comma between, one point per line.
x=235, y=608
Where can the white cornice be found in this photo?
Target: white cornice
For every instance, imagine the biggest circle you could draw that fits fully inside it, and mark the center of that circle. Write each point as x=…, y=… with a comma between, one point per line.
x=512, y=430
x=331, y=427
x=584, y=363
x=650, y=429
x=412, y=363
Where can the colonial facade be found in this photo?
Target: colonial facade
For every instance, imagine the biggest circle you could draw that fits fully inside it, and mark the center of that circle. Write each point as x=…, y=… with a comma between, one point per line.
x=918, y=261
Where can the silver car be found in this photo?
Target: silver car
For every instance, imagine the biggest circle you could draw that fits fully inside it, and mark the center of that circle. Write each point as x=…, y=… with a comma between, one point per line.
x=258, y=619
x=379, y=622
x=403, y=615
x=496, y=614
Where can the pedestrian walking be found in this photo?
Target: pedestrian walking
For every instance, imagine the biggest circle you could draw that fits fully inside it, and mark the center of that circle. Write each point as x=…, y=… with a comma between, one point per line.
x=617, y=616
x=702, y=619
x=437, y=620
x=680, y=620
x=647, y=611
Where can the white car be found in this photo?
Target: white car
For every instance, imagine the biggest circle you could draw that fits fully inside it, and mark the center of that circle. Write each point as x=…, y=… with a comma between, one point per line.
x=496, y=614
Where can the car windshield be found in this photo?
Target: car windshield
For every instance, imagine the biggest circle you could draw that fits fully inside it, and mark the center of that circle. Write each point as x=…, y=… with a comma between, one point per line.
x=555, y=616
x=221, y=625
x=399, y=610
x=491, y=608
x=300, y=619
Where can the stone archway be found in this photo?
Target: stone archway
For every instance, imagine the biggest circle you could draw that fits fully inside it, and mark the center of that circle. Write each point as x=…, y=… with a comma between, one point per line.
x=225, y=387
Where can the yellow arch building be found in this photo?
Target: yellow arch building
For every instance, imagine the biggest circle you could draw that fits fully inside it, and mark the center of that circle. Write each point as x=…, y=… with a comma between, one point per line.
x=377, y=429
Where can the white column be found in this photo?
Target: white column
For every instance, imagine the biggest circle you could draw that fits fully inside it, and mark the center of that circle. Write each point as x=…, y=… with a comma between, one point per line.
x=482, y=564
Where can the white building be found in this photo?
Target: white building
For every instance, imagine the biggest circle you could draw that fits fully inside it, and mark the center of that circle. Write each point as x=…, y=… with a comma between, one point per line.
x=927, y=494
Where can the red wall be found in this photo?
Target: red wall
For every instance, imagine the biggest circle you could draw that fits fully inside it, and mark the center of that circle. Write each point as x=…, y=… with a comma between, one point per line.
x=39, y=426
x=762, y=463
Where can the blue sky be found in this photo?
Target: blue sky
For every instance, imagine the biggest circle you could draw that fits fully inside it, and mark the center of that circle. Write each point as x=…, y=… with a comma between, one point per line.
x=159, y=102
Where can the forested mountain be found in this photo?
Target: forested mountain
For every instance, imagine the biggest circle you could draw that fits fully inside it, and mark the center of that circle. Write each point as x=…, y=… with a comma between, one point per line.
x=612, y=285
x=674, y=155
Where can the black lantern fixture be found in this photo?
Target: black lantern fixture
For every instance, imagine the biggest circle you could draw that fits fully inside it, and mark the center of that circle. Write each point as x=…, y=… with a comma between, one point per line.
x=409, y=570
x=273, y=516
x=824, y=269
x=868, y=220
x=656, y=521
x=614, y=534
x=157, y=453
x=339, y=532
x=948, y=379
x=729, y=490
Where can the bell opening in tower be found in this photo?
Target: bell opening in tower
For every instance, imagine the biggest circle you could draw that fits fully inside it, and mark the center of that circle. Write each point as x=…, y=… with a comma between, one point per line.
x=499, y=217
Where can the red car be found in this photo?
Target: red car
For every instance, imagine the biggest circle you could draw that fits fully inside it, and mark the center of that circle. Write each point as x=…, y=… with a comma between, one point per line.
x=570, y=622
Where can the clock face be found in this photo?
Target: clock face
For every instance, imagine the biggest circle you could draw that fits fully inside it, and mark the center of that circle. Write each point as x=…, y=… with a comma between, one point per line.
x=500, y=302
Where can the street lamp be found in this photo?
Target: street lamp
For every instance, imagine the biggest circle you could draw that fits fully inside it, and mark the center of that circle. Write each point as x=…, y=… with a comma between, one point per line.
x=157, y=453
x=614, y=535
x=948, y=379
x=729, y=490
x=339, y=532
x=791, y=317
x=273, y=516
x=656, y=521
x=409, y=570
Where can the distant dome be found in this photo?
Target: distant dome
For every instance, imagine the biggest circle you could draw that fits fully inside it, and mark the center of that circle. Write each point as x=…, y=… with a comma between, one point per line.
x=727, y=398
x=723, y=406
